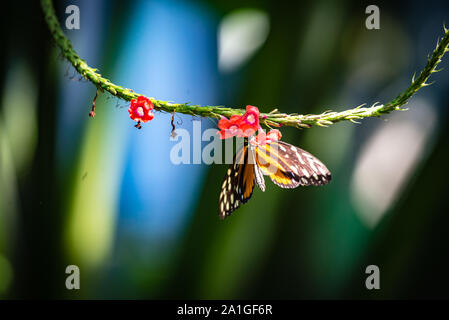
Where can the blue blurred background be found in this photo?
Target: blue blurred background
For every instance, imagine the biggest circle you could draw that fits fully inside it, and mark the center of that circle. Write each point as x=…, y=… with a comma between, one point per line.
x=99, y=194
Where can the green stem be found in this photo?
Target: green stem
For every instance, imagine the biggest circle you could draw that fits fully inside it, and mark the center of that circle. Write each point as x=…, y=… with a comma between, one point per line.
x=273, y=119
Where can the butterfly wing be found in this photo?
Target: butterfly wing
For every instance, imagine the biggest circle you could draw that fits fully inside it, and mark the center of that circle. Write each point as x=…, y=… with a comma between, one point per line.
x=260, y=181
x=289, y=166
x=238, y=183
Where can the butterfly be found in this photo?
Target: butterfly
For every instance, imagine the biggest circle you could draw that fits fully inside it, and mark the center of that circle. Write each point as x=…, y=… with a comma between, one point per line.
x=287, y=166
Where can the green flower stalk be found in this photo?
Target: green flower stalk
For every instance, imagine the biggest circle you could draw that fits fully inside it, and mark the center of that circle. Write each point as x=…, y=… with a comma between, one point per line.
x=269, y=119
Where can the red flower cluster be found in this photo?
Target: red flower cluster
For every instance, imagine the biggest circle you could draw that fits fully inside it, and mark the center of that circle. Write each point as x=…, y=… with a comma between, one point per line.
x=140, y=110
x=240, y=126
x=263, y=138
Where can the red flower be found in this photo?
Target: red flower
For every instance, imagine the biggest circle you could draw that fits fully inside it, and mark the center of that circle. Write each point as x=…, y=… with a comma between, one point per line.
x=249, y=122
x=229, y=127
x=140, y=109
x=240, y=126
x=263, y=138
x=274, y=135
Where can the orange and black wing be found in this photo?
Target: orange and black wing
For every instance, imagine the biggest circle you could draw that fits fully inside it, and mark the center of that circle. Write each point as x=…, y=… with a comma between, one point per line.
x=238, y=183
x=289, y=166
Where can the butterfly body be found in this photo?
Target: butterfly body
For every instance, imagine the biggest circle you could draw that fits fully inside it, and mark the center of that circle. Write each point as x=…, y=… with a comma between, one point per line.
x=287, y=166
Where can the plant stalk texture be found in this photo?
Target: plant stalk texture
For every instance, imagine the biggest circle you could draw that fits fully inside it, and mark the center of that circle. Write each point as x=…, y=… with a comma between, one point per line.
x=275, y=119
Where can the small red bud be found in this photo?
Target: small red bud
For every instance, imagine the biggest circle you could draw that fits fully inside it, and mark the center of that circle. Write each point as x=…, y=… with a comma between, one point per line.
x=140, y=110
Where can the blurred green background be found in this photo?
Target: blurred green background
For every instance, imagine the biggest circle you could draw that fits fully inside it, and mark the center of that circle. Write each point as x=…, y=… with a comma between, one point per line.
x=99, y=194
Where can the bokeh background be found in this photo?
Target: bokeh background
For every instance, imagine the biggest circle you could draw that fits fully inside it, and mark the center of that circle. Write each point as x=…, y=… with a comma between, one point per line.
x=99, y=194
